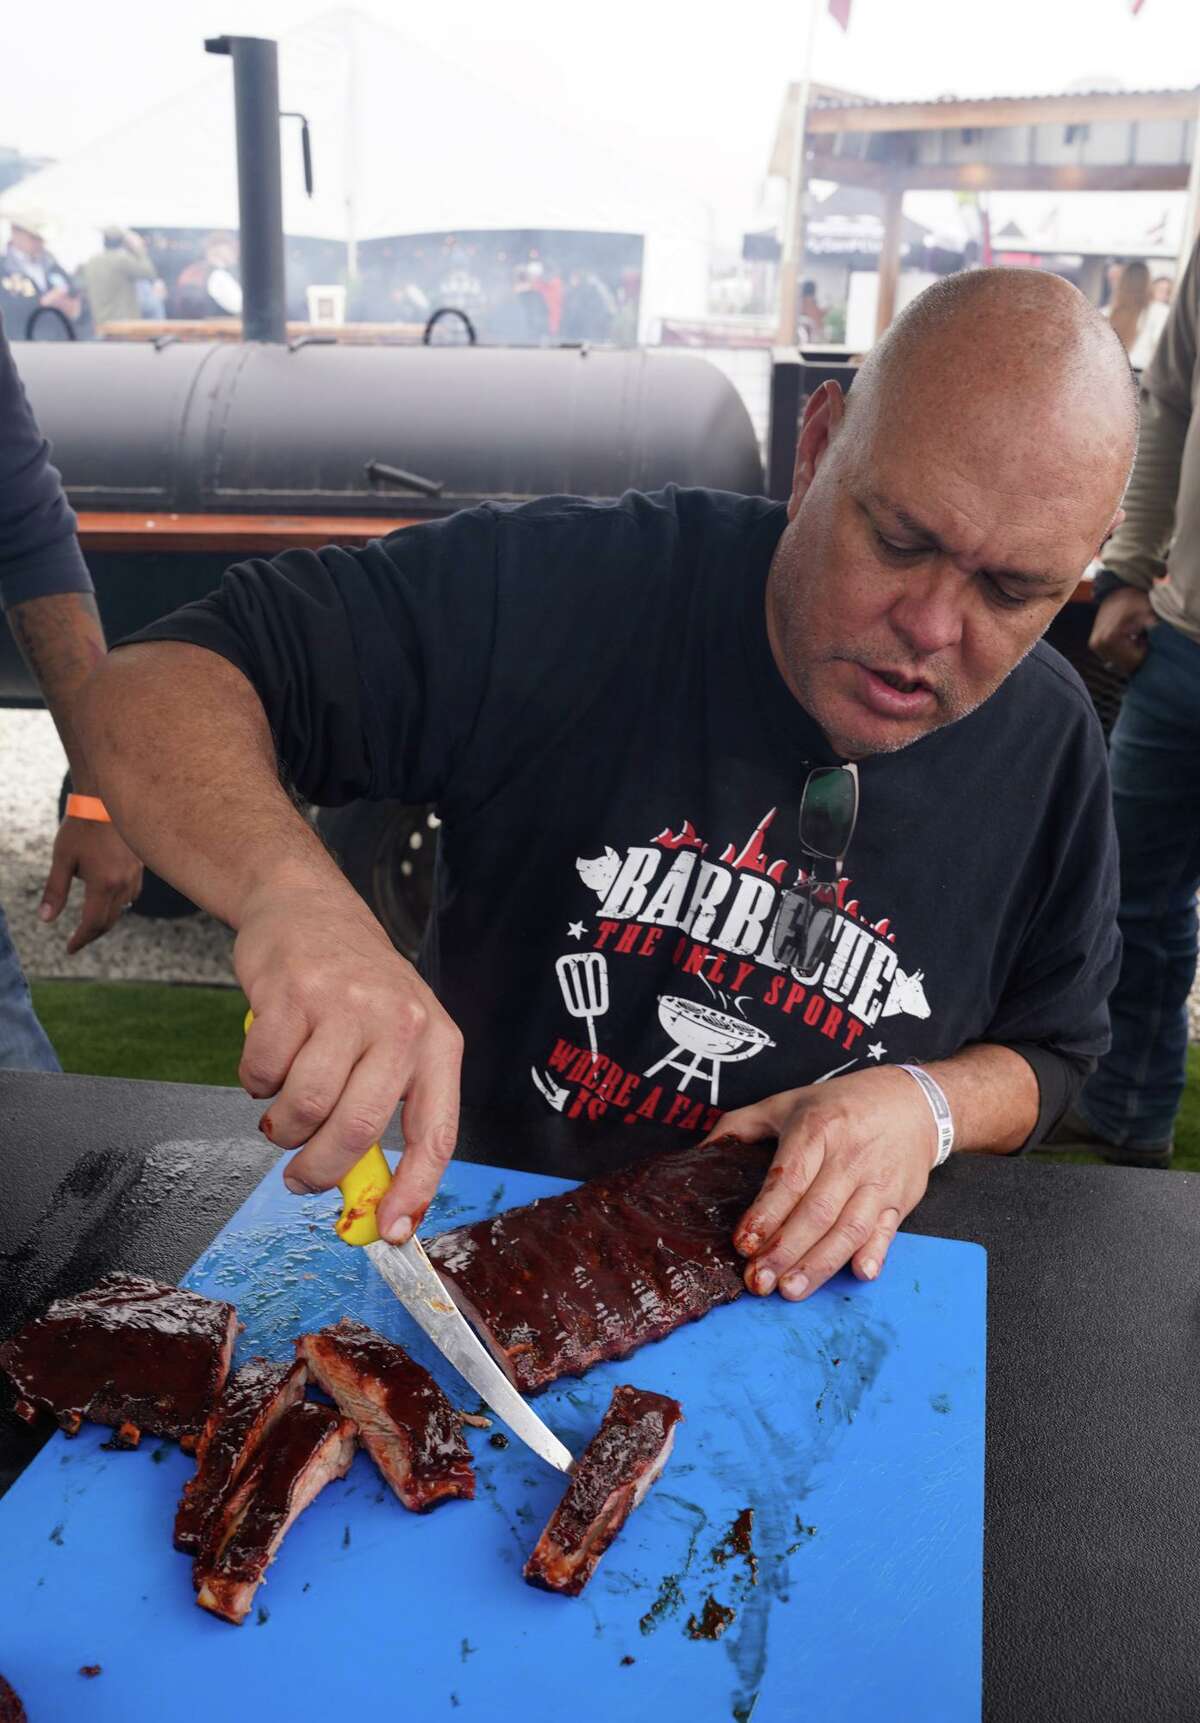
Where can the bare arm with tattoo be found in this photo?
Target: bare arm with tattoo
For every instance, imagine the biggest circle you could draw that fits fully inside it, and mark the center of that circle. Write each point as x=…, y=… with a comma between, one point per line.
x=62, y=641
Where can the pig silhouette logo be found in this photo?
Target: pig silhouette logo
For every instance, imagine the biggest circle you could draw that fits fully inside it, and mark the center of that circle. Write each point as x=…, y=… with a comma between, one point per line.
x=907, y=995
x=598, y=872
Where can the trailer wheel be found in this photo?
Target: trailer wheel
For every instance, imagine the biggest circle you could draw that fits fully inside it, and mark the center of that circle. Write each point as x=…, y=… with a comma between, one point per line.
x=157, y=900
x=386, y=850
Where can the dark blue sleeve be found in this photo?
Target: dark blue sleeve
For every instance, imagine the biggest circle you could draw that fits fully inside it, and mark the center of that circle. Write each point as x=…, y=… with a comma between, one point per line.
x=39, y=553
x=428, y=666
x=370, y=664
x=1055, y=1007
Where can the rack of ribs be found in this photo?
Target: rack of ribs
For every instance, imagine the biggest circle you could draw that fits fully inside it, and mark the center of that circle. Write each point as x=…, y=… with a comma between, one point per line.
x=131, y=1353
x=11, y=1709
x=408, y=1426
x=255, y=1397
x=608, y=1480
x=308, y=1447
x=592, y=1274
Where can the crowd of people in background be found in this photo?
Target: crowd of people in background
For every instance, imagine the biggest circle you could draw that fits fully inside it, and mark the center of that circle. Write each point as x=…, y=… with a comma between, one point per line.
x=120, y=283
x=1137, y=307
x=538, y=304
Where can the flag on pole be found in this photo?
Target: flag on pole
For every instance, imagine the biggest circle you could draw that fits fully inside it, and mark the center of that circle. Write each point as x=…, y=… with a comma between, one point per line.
x=840, y=10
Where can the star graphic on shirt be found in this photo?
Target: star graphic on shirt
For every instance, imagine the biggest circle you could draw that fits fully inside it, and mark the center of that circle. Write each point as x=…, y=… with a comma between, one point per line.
x=575, y=929
x=877, y=1050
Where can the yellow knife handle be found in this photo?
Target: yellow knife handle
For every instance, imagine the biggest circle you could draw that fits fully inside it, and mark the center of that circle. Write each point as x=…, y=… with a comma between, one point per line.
x=362, y=1189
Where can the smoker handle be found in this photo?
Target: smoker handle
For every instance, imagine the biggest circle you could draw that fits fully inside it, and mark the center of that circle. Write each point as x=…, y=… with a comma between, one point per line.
x=379, y=472
x=448, y=311
x=305, y=145
x=49, y=311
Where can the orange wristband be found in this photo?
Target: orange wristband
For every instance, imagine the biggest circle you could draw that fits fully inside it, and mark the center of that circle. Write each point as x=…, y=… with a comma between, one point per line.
x=88, y=808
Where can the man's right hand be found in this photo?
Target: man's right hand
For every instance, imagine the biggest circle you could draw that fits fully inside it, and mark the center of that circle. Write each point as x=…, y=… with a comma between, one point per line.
x=1119, y=633
x=343, y=1029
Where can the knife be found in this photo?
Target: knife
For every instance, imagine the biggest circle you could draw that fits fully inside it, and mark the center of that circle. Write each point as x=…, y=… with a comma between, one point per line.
x=420, y=1289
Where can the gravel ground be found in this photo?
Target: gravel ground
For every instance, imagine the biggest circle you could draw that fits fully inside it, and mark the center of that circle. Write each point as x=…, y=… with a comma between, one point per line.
x=196, y=949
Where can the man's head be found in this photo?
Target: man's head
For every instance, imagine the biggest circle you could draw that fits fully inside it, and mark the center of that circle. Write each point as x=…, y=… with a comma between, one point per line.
x=221, y=250
x=28, y=234
x=943, y=512
x=114, y=238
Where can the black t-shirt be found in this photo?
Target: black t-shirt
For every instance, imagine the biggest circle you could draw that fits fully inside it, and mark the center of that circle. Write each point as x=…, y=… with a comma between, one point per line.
x=39, y=553
x=587, y=693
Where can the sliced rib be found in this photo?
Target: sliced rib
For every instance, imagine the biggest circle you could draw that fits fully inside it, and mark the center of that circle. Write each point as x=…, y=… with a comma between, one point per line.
x=408, y=1426
x=596, y=1272
x=131, y=1352
x=309, y=1446
x=608, y=1480
x=11, y=1709
x=255, y=1397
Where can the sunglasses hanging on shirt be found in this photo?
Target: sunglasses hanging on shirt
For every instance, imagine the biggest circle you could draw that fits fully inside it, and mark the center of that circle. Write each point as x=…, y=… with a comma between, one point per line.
x=807, y=922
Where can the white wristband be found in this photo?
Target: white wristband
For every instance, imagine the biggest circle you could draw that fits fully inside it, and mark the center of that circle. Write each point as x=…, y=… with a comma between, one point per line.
x=939, y=1106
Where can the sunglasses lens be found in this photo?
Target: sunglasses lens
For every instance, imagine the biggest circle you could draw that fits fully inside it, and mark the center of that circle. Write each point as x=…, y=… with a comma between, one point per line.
x=803, y=932
x=788, y=937
x=828, y=810
x=817, y=939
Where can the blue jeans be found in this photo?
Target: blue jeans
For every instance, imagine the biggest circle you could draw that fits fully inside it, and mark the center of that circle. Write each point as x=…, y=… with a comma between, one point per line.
x=23, y=1042
x=1133, y=1096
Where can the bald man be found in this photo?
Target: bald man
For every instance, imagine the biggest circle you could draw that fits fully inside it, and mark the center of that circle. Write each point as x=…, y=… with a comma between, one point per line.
x=773, y=819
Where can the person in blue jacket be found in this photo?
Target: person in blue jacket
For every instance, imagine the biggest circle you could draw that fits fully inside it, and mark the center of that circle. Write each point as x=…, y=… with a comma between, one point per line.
x=46, y=593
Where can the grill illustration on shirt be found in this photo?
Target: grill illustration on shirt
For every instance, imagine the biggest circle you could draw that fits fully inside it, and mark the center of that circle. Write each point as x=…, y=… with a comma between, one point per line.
x=715, y=920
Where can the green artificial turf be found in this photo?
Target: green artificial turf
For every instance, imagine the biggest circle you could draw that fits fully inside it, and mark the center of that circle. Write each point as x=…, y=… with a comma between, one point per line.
x=194, y=1035
x=144, y=1029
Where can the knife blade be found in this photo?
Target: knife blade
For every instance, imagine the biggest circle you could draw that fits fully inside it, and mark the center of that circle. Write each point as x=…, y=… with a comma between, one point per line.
x=418, y=1286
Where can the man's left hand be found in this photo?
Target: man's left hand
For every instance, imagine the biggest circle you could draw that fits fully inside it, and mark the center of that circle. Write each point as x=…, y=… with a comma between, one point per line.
x=853, y=1160
x=111, y=875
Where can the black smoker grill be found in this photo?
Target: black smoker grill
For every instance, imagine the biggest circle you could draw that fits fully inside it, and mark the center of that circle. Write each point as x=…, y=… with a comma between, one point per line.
x=182, y=457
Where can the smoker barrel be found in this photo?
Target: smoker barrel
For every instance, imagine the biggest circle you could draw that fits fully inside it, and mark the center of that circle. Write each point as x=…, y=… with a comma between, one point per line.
x=217, y=427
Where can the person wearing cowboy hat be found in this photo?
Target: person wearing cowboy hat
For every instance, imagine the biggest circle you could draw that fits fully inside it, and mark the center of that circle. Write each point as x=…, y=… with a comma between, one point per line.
x=31, y=277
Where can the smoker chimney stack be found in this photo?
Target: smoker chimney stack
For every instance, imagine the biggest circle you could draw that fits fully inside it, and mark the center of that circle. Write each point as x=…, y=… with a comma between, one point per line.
x=260, y=183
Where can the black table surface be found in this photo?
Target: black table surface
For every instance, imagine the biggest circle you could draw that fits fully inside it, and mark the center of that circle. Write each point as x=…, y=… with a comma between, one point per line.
x=1093, y=1420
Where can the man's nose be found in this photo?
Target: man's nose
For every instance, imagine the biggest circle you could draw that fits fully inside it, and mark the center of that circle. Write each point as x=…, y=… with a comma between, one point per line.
x=928, y=614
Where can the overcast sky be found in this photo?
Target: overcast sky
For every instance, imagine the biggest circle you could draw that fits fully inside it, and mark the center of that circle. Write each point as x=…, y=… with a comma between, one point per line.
x=693, y=87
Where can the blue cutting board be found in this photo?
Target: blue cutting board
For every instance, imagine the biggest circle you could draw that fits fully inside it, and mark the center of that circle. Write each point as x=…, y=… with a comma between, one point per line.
x=852, y=1424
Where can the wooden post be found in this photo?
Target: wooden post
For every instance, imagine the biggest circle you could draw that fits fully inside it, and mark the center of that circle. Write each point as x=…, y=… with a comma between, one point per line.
x=1191, y=214
x=792, y=267
x=889, y=257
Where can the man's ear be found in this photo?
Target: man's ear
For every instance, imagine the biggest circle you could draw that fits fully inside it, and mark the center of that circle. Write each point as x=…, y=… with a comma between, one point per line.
x=823, y=413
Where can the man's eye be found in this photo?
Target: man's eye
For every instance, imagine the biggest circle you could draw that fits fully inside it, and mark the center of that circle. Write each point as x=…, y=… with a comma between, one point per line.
x=902, y=551
x=1002, y=596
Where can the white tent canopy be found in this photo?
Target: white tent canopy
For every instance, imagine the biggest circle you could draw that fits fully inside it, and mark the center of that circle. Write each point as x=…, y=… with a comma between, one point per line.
x=403, y=142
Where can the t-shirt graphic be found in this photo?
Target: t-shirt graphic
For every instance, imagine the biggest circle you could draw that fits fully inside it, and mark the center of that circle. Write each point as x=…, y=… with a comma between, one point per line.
x=732, y=998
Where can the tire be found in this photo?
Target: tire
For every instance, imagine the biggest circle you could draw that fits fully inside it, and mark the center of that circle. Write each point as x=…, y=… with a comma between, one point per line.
x=386, y=850
x=157, y=900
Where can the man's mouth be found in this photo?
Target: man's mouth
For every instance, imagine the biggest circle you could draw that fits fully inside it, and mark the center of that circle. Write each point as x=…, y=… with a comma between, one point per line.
x=905, y=684
x=892, y=693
